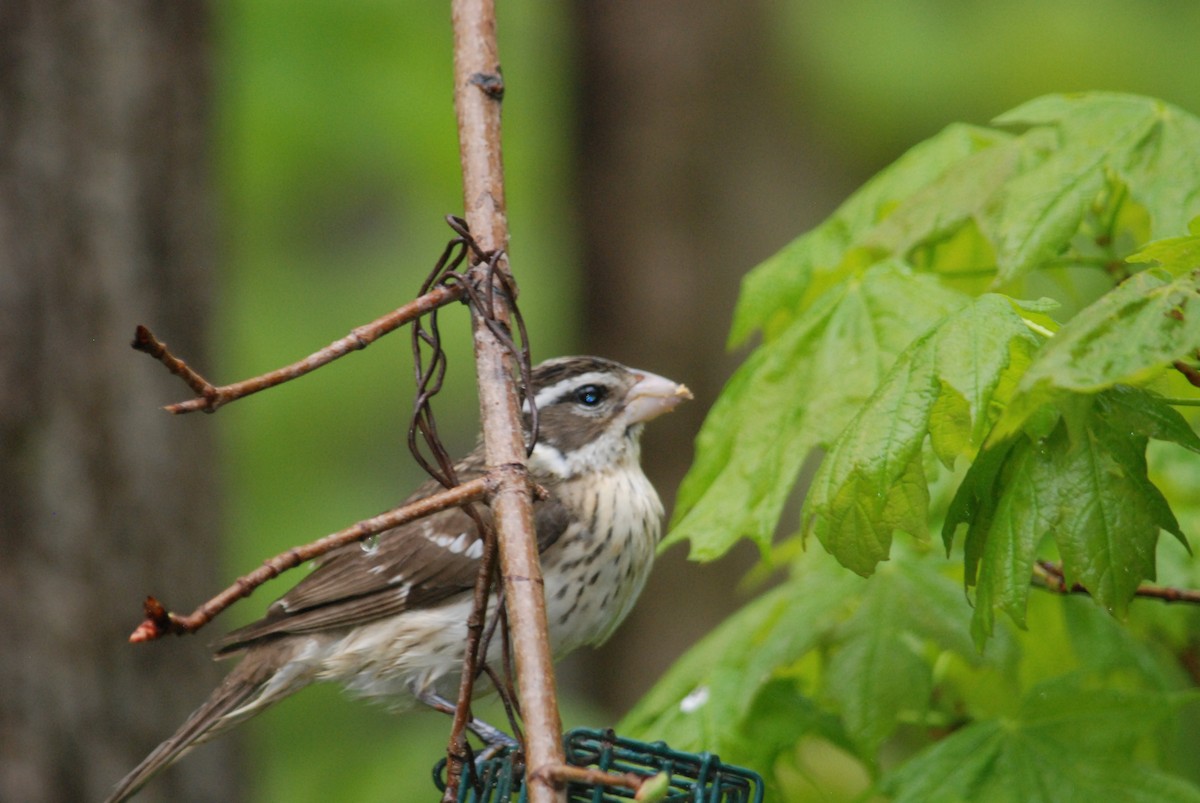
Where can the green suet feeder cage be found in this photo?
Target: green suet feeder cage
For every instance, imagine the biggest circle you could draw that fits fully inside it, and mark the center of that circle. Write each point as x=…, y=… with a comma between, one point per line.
x=691, y=777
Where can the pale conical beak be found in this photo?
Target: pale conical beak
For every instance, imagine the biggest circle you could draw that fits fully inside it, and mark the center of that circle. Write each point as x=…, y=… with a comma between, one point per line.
x=652, y=396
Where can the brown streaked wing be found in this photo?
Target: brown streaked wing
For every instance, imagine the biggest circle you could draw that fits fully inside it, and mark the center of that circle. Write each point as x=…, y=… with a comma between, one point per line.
x=406, y=570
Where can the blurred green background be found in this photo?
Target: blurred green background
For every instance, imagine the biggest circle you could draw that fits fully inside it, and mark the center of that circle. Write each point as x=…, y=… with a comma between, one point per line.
x=335, y=145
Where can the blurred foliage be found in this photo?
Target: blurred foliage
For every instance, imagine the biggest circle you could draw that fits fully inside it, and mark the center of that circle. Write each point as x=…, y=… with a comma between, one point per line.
x=895, y=350
x=872, y=77
x=335, y=142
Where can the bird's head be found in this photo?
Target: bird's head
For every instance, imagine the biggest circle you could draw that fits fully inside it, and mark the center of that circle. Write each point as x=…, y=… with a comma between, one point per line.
x=591, y=412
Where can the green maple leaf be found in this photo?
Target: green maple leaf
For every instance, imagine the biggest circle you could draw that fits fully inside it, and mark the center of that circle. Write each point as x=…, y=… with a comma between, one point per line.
x=1068, y=742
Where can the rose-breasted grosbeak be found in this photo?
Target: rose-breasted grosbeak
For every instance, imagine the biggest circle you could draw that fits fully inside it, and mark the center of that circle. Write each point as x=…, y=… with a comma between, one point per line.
x=387, y=618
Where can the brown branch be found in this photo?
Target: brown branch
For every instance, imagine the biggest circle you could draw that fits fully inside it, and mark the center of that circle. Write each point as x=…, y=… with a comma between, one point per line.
x=478, y=89
x=503, y=682
x=160, y=622
x=458, y=747
x=1049, y=575
x=569, y=773
x=1190, y=373
x=209, y=397
x=144, y=340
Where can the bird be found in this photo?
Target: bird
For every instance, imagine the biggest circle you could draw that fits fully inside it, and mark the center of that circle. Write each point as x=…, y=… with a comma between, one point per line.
x=386, y=618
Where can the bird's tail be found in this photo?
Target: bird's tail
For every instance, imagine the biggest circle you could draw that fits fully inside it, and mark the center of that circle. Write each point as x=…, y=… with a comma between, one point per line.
x=255, y=683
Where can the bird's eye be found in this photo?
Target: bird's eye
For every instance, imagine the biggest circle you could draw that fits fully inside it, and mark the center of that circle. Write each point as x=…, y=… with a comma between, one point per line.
x=590, y=395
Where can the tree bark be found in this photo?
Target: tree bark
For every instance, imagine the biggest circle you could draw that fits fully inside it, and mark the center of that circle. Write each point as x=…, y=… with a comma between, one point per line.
x=104, y=223
x=694, y=165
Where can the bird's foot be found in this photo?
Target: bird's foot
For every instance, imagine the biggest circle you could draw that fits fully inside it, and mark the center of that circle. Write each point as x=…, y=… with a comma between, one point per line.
x=495, y=739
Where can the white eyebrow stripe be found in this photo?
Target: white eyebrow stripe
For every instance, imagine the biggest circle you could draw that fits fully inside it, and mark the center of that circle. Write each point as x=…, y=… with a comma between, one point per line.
x=549, y=394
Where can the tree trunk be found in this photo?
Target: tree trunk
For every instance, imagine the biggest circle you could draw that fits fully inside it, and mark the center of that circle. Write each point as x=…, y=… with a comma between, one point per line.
x=694, y=165
x=104, y=223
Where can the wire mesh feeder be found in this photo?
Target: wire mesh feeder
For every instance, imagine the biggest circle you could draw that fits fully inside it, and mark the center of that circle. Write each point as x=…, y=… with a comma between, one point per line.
x=692, y=777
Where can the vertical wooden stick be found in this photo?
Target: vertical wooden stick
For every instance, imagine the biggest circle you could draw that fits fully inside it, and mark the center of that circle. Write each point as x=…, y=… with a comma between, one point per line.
x=478, y=89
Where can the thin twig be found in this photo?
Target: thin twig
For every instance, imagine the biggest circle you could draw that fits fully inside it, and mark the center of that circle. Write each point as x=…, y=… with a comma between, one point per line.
x=209, y=397
x=458, y=751
x=569, y=773
x=144, y=340
x=160, y=622
x=1049, y=575
x=478, y=88
x=1190, y=373
x=508, y=695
